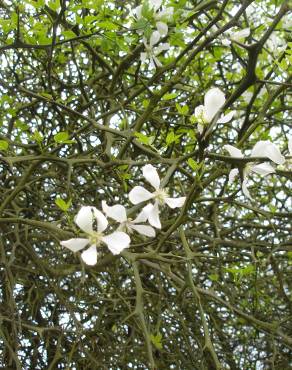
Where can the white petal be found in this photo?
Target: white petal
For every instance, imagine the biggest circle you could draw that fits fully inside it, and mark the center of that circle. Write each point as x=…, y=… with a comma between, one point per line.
x=138, y=12
x=156, y=4
x=175, y=202
x=213, y=101
x=144, y=230
x=154, y=38
x=233, y=152
x=265, y=148
x=75, y=245
x=162, y=47
x=142, y=217
x=101, y=220
x=116, y=212
x=226, y=42
x=151, y=175
x=240, y=35
x=138, y=194
x=227, y=117
x=200, y=129
x=90, y=255
x=245, y=189
x=199, y=112
x=162, y=28
x=143, y=57
x=152, y=212
x=166, y=14
x=117, y=241
x=84, y=219
x=232, y=174
x=263, y=169
x=290, y=146
x=155, y=62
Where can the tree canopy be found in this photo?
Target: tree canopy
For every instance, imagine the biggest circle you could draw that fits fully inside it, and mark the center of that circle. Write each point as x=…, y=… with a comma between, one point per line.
x=145, y=176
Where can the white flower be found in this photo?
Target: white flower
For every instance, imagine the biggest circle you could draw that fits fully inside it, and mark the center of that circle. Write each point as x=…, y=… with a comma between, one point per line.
x=139, y=194
x=119, y=214
x=161, y=17
x=151, y=52
x=238, y=36
x=86, y=217
x=214, y=100
x=264, y=149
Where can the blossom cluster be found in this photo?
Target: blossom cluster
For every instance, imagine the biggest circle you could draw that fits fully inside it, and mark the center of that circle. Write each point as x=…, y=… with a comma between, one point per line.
x=153, y=11
x=262, y=149
x=93, y=222
x=214, y=101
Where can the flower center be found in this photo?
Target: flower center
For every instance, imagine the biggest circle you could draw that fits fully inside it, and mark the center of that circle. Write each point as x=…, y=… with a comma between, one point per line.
x=160, y=195
x=95, y=238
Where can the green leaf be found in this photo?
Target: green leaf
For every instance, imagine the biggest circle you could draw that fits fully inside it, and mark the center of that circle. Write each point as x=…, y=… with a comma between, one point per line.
x=64, y=206
x=182, y=109
x=61, y=137
x=147, y=140
x=37, y=136
x=213, y=277
x=193, y=164
x=169, y=96
x=107, y=25
x=156, y=340
x=3, y=145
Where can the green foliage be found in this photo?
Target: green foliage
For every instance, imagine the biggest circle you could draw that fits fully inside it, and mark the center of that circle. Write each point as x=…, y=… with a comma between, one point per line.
x=62, y=204
x=84, y=105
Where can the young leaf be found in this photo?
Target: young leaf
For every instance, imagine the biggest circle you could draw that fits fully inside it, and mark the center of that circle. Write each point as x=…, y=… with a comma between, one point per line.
x=64, y=206
x=3, y=145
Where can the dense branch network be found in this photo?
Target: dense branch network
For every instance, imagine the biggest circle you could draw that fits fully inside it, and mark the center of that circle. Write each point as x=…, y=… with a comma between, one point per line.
x=91, y=92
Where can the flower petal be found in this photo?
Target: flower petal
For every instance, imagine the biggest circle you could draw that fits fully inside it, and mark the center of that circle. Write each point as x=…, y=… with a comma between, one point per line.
x=227, y=117
x=151, y=175
x=75, y=245
x=160, y=48
x=214, y=99
x=155, y=4
x=90, y=255
x=154, y=38
x=200, y=128
x=101, y=220
x=84, y=219
x=199, y=112
x=245, y=189
x=175, y=202
x=165, y=14
x=162, y=28
x=139, y=194
x=117, y=241
x=152, y=212
x=226, y=42
x=240, y=35
x=263, y=169
x=143, y=57
x=142, y=217
x=116, y=212
x=233, y=152
x=138, y=12
x=144, y=230
x=265, y=148
x=232, y=174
